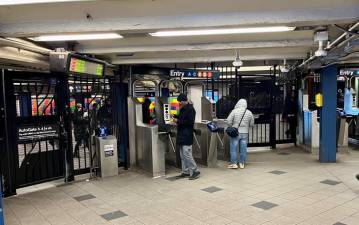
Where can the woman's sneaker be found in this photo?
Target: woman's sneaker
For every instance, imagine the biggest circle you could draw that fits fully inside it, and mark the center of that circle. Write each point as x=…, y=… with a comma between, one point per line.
x=241, y=165
x=232, y=166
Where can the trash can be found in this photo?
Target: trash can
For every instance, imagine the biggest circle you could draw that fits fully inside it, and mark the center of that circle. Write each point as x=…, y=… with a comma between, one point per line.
x=106, y=151
x=1, y=203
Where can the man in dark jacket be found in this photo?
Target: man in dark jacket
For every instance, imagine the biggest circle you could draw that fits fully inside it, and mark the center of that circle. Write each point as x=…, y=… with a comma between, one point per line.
x=185, y=122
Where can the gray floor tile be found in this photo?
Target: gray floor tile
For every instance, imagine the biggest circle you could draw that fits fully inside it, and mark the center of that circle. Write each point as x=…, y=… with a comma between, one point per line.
x=283, y=153
x=264, y=205
x=212, y=189
x=339, y=223
x=113, y=215
x=277, y=172
x=330, y=182
x=84, y=197
x=171, y=178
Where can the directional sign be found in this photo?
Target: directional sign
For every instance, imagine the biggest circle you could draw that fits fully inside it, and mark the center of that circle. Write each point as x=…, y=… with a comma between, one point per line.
x=200, y=74
x=349, y=72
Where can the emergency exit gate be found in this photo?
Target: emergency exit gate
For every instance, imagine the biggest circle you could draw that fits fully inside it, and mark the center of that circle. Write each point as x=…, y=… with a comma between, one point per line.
x=35, y=134
x=265, y=97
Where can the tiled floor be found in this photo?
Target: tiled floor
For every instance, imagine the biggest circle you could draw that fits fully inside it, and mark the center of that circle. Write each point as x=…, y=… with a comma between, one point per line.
x=272, y=190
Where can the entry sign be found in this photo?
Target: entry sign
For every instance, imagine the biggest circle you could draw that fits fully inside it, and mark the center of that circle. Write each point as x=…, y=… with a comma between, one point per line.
x=108, y=150
x=37, y=132
x=200, y=74
x=349, y=72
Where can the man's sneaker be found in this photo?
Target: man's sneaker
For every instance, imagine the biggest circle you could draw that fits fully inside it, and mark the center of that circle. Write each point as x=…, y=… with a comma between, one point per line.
x=182, y=175
x=241, y=165
x=232, y=166
x=195, y=175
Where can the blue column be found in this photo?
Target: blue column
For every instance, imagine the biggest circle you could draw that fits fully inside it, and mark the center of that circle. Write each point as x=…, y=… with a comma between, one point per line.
x=1, y=203
x=328, y=129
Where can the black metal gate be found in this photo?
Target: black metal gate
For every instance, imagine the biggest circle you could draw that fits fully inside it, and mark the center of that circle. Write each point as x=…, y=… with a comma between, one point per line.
x=87, y=96
x=37, y=130
x=265, y=95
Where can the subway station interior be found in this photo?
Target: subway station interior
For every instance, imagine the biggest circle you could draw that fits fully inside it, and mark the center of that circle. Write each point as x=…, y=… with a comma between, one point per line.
x=155, y=112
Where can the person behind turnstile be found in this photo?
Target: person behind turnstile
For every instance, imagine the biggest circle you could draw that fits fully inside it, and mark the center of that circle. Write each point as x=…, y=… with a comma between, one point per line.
x=240, y=118
x=81, y=131
x=185, y=123
x=104, y=116
x=290, y=114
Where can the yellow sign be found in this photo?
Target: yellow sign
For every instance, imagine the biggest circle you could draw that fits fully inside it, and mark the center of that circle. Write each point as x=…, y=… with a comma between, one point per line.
x=319, y=100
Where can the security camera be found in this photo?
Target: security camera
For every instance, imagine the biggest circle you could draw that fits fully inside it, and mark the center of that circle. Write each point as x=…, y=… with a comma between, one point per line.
x=284, y=68
x=237, y=61
x=322, y=38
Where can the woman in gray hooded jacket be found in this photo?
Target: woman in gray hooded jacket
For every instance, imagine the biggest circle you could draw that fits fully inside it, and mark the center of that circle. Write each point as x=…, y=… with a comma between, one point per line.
x=240, y=118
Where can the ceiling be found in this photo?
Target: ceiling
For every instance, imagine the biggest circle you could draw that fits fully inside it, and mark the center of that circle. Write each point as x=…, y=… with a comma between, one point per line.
x=134, y=19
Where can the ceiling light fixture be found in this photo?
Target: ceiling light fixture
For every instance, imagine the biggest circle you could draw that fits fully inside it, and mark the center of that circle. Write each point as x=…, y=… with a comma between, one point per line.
x=247, y=30
x=77, y=37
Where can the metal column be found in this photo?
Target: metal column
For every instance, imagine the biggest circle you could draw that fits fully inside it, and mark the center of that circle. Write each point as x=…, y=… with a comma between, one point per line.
x=327, y=143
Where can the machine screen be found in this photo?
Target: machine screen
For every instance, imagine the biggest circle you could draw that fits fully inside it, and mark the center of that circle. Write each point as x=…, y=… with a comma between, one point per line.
x=86, y=67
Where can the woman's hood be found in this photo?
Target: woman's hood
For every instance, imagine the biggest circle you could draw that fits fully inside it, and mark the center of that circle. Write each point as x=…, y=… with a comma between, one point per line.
x=242, y=103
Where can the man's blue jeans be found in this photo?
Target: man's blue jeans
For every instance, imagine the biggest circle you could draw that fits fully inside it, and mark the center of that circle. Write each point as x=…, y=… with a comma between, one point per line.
x=189, y=166
x=242, y=139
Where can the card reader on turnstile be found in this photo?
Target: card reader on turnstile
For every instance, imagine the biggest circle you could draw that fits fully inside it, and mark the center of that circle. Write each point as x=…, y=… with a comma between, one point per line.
x=167, y=113
x=168, y=121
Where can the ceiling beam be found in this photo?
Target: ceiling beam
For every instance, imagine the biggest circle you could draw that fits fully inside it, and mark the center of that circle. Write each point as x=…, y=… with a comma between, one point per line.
x=23, y=58
x=290, y=17
x=206, y=59
x=192, y=47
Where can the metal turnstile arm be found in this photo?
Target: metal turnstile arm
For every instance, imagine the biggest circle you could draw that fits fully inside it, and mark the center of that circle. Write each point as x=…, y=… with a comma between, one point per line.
x=197, y=142
x=220, y=139
x=170, y=140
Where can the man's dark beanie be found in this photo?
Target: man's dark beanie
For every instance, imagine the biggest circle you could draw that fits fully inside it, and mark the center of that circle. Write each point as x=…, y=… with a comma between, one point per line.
x=182, y=98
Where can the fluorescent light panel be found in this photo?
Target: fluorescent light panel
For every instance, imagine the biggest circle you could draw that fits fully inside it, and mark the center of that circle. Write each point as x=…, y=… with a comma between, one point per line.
x=247, y=30
x=24, y=2
x=77, y=37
